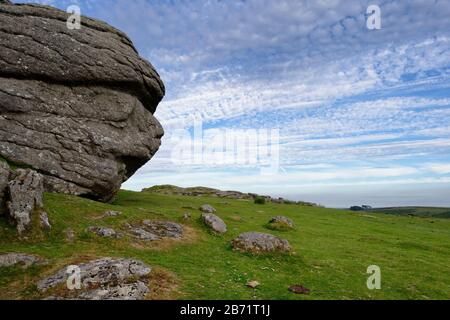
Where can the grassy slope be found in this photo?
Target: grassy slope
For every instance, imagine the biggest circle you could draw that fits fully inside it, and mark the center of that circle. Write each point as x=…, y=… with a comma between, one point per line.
x=430, y=212
x=333, y=249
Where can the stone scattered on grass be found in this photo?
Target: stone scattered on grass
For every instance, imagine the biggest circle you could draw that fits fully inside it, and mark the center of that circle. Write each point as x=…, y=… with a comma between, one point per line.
x=255, y=242
x=151, y=230
x=206, y=208
x=70, y=235
x=253, y=284
x=104, y=232
x=299, y=289
x=25, y=260
x=103, y=279
x=164, y=229
x=186, y=216
x=142, y=234
x=214, y=222
x=111, y=214
x=281, y=223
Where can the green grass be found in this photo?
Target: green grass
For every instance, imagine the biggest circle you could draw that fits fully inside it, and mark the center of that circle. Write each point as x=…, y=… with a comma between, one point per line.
x=331, y=250
x=428, y=212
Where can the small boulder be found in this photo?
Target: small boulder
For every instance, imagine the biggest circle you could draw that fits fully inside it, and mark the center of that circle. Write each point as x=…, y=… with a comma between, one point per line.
x=104, y=232
x=103, y=279
x=214, y=222
x=281, y=223
x=206, y=208
x=25, y=260
x=255, y=242
x=142, y=234
x=111, y=214
x=186, y=216
x=253, y=284
x=25, y=197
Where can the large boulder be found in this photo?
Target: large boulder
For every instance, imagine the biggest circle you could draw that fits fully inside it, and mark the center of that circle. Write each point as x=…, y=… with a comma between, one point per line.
x=281, y=223
x=75, y=105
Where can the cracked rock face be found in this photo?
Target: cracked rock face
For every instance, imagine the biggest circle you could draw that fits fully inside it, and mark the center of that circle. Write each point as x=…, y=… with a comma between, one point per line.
x=104, y=279
x=281, y=223
x=104, y=232
x=75, y=105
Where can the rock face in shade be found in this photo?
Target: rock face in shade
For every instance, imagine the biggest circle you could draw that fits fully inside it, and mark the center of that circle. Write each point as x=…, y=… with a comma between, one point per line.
x=214, y=222
x=75, y=105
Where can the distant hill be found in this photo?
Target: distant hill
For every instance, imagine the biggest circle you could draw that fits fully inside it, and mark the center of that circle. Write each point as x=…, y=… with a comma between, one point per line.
x=424, y=212
x=168, y=189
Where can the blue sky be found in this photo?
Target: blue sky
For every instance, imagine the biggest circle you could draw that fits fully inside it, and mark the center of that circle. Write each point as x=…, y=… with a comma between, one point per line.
x=363, y=115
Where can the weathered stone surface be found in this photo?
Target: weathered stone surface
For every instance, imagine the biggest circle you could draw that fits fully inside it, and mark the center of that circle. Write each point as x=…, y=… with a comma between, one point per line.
x=206, y=208
x=214, y=222
x=112, y=214
x=25, y=193
x=142, y=234
x=281, y=223
x=105, y=232
x=256, y=242
x=4, y=179
x=43, y=219
x=151, y=230
x=25, y=260
x=105, y=279
x=76, y=105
